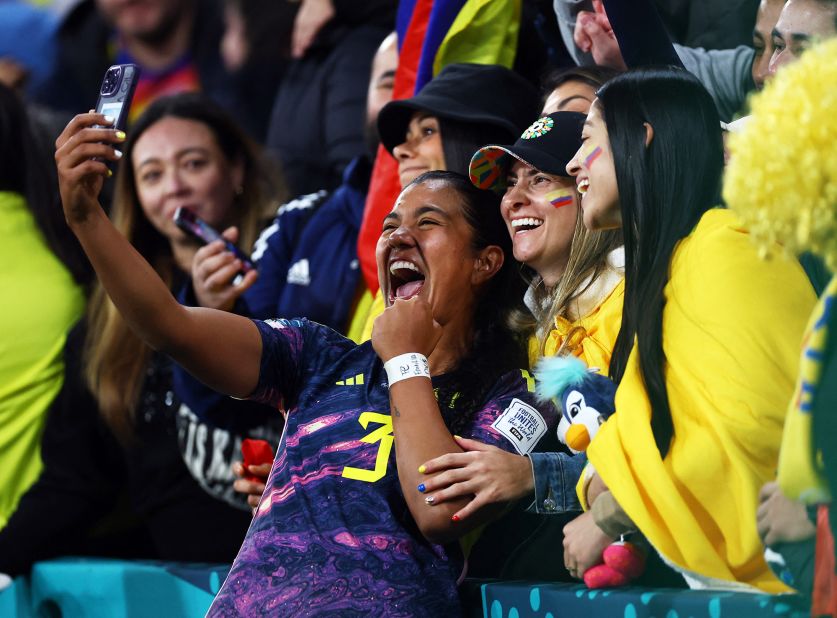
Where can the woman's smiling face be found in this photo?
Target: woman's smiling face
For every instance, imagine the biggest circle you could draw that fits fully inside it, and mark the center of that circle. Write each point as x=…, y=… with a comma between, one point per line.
x=177, y=162
x=426, y=248
x=540, y=211
x=595, y=175
x=421, y=150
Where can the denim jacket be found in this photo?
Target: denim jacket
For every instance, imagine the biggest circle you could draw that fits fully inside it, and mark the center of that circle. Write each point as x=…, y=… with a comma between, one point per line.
x=556, y=475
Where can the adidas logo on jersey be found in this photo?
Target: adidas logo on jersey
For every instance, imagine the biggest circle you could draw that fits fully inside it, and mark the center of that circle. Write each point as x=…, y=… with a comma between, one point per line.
x=298, y=273
x=355, y=381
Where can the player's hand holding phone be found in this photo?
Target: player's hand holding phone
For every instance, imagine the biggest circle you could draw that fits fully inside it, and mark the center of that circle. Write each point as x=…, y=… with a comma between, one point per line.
x=82, y=153
x=90, y=143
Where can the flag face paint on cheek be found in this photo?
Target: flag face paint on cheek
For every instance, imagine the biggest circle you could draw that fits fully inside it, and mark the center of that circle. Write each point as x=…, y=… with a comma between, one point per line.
x=592, y=155
x=560, y=198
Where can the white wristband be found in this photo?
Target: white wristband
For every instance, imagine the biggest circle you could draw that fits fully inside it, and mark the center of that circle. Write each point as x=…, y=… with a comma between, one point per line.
x=405, y=366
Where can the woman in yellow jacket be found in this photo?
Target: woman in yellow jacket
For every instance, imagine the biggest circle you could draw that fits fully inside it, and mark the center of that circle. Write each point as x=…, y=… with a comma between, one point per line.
x=708, y=349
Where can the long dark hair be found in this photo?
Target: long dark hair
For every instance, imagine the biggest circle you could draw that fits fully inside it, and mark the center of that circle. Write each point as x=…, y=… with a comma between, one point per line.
x=27, y=167
x=495, y=347
x=664, y=189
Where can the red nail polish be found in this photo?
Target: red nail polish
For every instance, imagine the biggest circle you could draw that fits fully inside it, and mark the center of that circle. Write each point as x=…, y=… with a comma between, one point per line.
x=455, y=518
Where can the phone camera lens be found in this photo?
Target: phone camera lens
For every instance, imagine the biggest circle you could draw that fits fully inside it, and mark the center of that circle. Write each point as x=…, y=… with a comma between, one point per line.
x=111, y=81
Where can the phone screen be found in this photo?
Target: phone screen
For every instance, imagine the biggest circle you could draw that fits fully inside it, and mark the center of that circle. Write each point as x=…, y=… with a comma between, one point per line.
x=112, y=109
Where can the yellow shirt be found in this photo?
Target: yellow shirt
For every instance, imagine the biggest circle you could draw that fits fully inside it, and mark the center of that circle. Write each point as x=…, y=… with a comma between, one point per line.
x=732, y=328
x=592, y=336
x=38, y=304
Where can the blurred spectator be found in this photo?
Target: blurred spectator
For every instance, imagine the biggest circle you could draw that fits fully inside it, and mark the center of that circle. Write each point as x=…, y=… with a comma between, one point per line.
x=42, y=280
x=307, y=258
x=793, y=129
x=316, y=125
x=632, y=36
x=709, y=24
x=256, y=50
x=801, y=23
x=117, y=426
x=176, y=43
x=573, y=89
x=766, y=18
x=27, y=44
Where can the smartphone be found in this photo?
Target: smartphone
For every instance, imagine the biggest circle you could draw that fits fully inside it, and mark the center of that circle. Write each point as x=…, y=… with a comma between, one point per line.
x=255, y=452
x=116, y=92
x=196, y=227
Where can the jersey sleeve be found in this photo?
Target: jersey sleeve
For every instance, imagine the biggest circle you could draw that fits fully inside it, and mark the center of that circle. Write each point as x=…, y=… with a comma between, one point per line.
x=512, y=419
x=280, y=373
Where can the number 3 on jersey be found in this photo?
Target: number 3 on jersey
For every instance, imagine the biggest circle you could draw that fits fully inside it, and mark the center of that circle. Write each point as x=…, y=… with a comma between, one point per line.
x=382, y=434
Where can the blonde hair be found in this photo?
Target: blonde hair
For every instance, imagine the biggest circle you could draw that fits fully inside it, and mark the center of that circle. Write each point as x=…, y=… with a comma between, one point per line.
x=588, y=259
x=115, y=360
x=782, y=175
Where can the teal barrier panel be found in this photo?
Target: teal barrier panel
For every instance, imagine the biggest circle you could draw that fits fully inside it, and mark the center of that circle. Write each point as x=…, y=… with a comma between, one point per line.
x=526, y=600
x=15, y=601
x=102, y=588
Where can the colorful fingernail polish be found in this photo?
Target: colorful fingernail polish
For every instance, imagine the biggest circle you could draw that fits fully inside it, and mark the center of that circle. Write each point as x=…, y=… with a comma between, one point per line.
x=429, y=499
x=110, y=173
x=120, y=135
x=421, y=487
x=118, y=153
x=457, y=437
x=455, y=519
x=422, y=469
x=109, y=119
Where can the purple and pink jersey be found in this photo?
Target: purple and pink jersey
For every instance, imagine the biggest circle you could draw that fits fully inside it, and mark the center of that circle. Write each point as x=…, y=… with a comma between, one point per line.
x=332, y=533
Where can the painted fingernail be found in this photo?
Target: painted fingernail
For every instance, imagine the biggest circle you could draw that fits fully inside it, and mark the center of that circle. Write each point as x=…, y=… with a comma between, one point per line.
x=118, y=153
x=455, y=519
x=421, y=487
x=457, y=437
x=429, y=499
x=422, y=469
x=120, y=135
x=109, y=119
x=110, y=173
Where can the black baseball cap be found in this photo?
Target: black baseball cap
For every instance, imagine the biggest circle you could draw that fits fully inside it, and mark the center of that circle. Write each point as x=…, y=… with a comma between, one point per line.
x=547, y=145
x=474, y=93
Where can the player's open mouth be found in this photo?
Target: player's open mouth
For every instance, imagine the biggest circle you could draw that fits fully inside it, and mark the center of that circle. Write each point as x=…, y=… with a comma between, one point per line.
x=405, y=280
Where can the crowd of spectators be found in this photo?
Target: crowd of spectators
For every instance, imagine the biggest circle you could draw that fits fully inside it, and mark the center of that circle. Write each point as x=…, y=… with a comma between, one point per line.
x=647, y=186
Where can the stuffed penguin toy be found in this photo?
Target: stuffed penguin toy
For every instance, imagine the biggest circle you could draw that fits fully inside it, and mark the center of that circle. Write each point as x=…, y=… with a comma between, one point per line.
x=586, y=400
x=584, y=397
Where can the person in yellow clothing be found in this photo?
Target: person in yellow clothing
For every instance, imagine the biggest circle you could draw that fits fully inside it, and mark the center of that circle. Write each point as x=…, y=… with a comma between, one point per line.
x=793, y=128
x=708, y=349
x=41, y=299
